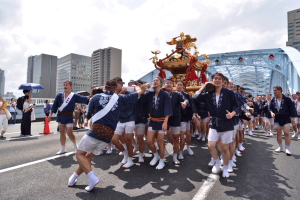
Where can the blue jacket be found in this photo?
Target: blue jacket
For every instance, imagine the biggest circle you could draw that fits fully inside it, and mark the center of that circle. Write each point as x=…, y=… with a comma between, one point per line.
x=99, y=101
x=77, y=98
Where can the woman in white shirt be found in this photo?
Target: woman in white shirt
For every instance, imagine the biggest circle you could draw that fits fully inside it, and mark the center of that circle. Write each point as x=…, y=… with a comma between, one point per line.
x=26, y=128
x=3, y=118
x=13, y=111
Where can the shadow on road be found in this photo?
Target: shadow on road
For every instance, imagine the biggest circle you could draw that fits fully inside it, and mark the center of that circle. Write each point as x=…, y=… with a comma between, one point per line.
x=257, y=178
x=110, y=193
x=188, y=176
x=64, y=162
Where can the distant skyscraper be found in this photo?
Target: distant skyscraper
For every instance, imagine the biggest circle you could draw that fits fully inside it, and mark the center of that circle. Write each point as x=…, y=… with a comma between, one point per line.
x=44, y=73
x=76, y=68
x=30, y=64
x=2, y=82
x=106, y=64
x=294, y=29
x=9, y=94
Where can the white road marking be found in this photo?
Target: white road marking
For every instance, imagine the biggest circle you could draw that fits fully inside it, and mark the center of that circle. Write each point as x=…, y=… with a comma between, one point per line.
x=206, y=187
x=20, y=138
x=35, y=162
x=11, y=133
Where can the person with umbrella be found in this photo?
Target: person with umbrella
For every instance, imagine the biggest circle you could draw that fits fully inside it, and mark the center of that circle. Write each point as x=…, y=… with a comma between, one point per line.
x=65, y=103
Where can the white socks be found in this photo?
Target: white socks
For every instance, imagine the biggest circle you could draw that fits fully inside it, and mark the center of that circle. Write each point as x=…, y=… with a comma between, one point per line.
x=141, y=157
x=73, y=179
x=154, y=159
x=125, y=153
x=161, y=164
x=180, y=157
x=175, y=160
x=93, y=181
x=75, y=146
x=129, y=163
x=225, y=171
x=156, y=145
x=216, y=168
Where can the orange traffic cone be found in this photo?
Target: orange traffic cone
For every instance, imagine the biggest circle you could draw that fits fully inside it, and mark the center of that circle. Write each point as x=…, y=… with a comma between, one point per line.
x=47, y=127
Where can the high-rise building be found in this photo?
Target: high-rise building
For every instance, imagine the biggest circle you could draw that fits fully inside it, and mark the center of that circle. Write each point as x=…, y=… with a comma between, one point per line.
x=9, y=94
x=294, y=29
x=30, y=64
x=2, y=82
x=44, y=73
x=76, y=68
x=106, y=64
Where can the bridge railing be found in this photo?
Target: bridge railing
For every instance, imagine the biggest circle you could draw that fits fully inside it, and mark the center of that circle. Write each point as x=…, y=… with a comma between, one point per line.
x=35, y=101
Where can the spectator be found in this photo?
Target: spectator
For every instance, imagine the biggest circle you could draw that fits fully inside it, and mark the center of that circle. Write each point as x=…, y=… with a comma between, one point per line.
x=13, y=111
x=47, y=108
x=76, y=117
x=81, y=108
x=3, y=118
x=27, y=109
x=26, y=93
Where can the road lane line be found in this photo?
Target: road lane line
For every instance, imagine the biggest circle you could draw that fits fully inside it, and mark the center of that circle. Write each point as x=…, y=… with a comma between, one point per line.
x=35, y=162
x=206, y=187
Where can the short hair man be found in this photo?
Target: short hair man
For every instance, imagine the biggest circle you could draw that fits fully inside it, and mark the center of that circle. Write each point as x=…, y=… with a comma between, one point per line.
x=282, y=108
x=65, y=104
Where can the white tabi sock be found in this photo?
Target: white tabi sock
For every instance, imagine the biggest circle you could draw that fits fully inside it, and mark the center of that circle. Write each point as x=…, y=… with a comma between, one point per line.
x=63, y=148
x=156, y=145
x=75, y=146
x=93, y=181
x=73, y=179
x=287, y=147
x=125, y=146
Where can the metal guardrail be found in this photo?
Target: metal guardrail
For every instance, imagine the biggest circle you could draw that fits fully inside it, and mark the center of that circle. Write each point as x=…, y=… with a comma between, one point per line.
x=35, y=101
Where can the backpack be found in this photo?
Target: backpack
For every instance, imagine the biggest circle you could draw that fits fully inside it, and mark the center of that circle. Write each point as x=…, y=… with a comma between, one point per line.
x=20, y=102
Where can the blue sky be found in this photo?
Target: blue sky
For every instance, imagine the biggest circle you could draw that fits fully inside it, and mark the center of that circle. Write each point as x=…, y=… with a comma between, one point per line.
x=56, y=27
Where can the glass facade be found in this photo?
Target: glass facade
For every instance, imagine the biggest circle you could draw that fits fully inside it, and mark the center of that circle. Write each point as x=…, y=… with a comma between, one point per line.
x=76, y=68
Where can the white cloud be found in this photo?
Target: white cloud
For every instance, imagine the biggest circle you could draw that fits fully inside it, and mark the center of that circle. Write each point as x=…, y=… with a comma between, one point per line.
x=32, y=27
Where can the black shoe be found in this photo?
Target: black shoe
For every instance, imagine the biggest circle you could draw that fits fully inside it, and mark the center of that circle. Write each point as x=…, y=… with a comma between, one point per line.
x=75, y=128
x=2, y=138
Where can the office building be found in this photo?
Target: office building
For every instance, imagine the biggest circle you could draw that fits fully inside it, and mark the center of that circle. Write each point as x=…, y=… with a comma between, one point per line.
x=294, y=29
x=30, y=64
x=44, y=73
x=106, y=64
x=76, y=68
x=2, y=82
x=9, y=95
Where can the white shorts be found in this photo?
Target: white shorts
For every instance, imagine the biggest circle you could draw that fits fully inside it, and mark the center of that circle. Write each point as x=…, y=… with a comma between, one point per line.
x=236, y=127
x=185, y=126
x=297, y=120
x=91, y=145
x=253, y=118
x=140, y=129
x=127, y=127
x=241, y=126
x=206, y=119
x=159, y=131
x=269, y=120
x=67, y=125
x=278, y=126
x=175, y=129
x=214, y=136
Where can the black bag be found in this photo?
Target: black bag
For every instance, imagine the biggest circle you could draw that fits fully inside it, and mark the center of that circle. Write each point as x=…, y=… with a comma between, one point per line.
x=20, y=102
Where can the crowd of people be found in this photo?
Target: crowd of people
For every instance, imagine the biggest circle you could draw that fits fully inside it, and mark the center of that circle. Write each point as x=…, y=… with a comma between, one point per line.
x=128, y=118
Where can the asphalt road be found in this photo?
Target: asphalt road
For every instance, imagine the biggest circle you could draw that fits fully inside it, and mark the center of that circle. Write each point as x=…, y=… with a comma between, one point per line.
x=260, y=174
